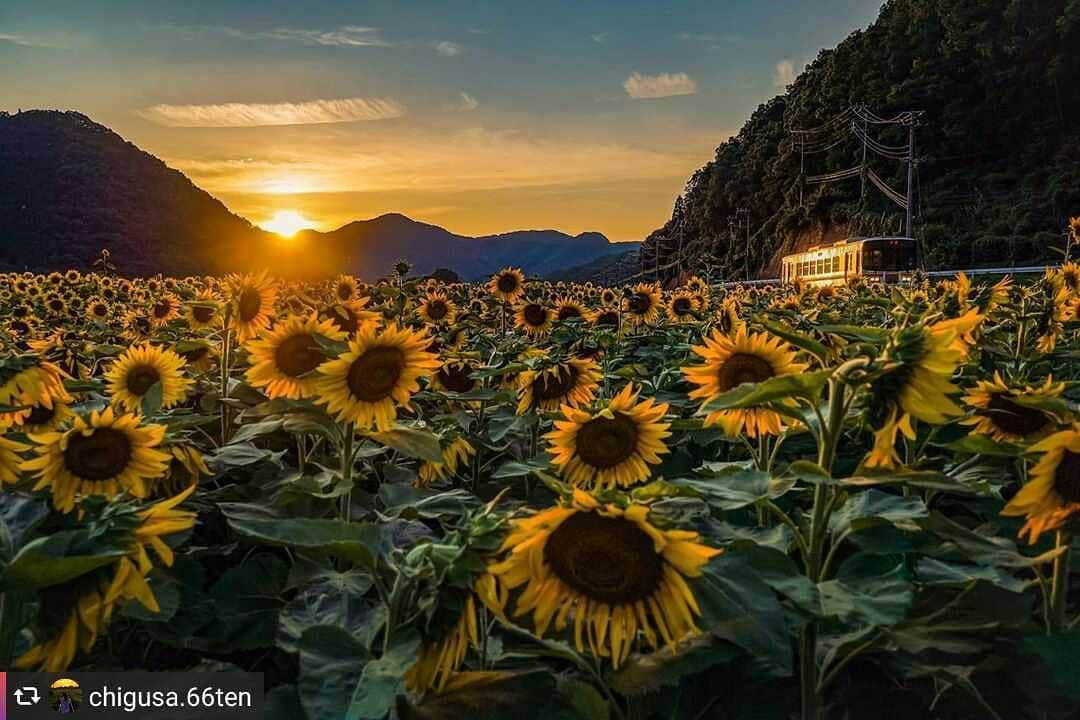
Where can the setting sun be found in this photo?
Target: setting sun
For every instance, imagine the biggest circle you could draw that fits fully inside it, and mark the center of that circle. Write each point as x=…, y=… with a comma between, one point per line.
x=287, y=223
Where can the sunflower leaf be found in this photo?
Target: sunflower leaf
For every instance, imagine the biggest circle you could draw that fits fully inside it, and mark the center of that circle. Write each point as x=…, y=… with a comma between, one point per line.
x=797, y=339
x=774, y=389
x=410, y=441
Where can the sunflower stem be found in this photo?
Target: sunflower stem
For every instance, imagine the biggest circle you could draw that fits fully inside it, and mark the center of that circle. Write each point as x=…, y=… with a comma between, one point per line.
x=226, y=358
x=1059, y=583
x=347, y=433
x=824, y=502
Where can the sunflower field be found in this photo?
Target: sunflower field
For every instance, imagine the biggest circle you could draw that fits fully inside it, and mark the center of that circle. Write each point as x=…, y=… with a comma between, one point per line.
x=525, y=499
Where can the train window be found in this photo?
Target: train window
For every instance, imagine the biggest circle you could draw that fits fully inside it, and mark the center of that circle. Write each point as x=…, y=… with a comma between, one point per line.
x=836, y=263
x=889, y=255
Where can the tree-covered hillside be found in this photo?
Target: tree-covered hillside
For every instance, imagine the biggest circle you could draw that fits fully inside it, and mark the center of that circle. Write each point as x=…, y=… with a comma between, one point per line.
x=998, y=146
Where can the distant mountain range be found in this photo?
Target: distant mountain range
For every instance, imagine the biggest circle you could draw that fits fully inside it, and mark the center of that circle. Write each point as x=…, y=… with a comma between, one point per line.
x=371, y=247
x=70, y=187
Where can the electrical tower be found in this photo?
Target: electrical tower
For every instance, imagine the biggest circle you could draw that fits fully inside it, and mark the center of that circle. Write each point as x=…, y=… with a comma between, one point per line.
x=856, y=123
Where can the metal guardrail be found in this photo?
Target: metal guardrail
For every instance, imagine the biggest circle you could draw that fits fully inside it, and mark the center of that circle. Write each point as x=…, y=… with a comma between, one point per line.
x=970, y=272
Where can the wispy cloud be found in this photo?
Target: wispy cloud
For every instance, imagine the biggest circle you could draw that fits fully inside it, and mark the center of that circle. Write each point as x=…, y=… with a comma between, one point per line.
x=447, y=48
x=642, y=87
x=347, y=36
x=784, y=73
x=29, y=40
x=601, y=37
x=310, y=112
x=468, y=102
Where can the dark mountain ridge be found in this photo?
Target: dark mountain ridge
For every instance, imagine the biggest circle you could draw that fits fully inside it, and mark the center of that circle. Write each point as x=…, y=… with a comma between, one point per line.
x=70, y=187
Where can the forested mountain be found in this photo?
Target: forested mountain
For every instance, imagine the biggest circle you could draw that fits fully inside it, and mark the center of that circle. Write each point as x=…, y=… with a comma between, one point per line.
x=998, y=146
x=70, y=187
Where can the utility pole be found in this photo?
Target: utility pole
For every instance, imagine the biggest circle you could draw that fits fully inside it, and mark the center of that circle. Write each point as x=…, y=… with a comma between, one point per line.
x=912, y=121
x=862, y=168
x=744, y=212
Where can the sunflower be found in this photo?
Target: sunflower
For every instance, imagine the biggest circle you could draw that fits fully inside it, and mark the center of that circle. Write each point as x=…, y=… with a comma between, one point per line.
x=606, y=317
x=351, y=316
x=43, y=419
x=186, y=468
x=731, y=360
x=507, y=285
x=284, y=360
x=10, y=462
x=612, y=447
x=1002, y=418
x=533, y=318
x=642, y=305
x=252, y=298
x=573, y=382
x=454, y=455
x=608, y=297
x=33, y=382
x=919, y=362
x=567, y=308
x=455, y=376
x=98, y=310
x=198, y=354
x=439, y=661
x=682, y=307
x=379, y=368
x=140, y=368
x=345, y=288
x=609, y=568
x=1052, y=495
x=100, y=455
x=727, y=316
x=84, y=607
x=437, y=308
x=697, y=286
x=163, y=310
x=203, y=312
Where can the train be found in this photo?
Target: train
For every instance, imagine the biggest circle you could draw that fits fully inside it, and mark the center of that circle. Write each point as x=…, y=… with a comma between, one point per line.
x=885, y=259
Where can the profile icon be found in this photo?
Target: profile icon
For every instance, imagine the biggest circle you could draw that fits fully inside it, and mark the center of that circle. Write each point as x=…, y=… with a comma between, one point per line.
x=65, y=696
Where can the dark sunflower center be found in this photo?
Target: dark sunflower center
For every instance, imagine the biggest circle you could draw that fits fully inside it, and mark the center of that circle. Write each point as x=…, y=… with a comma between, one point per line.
x=1014, y=418
x=1067, y=477
x=437, y=309
x=639, y=303
x=56, y=305
x=455, y=378
x=39, y=414
x=605, y=442
x=161, y=309
x=535, y=314
x=195, y=354
x=202, y=314
x=102, y=455
x=681, y=305
x=298, y=355
x=100, y=310
x=373, y=375
x=507, y=283
x=568, y=311
x=141, y=378
x=344, y=291
x=1072, y=279
x=609, y=560
x=555, y=385
x=250, y=304
x=741, y=368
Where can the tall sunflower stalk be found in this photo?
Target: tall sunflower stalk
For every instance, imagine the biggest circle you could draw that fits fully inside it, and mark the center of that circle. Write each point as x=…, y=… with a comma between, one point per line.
x=226, y=358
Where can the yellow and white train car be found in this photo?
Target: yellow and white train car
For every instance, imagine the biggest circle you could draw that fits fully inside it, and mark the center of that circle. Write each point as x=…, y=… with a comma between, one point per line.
x=886, y=259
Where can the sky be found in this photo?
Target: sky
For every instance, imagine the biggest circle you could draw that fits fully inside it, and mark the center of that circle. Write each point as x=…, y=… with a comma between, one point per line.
x=482, y=117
